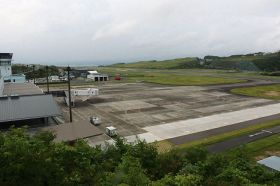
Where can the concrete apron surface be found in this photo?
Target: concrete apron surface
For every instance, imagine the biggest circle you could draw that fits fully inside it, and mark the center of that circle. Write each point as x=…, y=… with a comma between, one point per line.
x=190, y=126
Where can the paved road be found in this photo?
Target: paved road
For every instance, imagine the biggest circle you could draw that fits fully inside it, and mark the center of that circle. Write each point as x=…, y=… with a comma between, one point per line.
x=208, y=133
x=228, y=144
x=192, y=126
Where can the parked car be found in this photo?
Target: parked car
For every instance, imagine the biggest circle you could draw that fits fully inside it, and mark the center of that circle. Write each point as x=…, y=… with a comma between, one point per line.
x=95, y=120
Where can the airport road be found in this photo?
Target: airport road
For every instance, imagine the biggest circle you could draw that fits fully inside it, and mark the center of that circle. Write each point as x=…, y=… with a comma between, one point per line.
x=235, y=142
x=191, y=126
x=208, y=133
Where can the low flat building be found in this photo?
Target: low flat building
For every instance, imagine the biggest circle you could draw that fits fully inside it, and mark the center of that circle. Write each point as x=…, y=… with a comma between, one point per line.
x=68, y=132
x=272, y=162
x=17, y=110
x=15, y=78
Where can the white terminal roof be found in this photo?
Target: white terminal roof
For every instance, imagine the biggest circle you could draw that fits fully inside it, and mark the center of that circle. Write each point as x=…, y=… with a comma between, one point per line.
x=93, y=72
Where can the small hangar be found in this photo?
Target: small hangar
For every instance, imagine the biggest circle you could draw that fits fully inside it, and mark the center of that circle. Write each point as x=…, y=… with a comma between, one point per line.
x=95, y=76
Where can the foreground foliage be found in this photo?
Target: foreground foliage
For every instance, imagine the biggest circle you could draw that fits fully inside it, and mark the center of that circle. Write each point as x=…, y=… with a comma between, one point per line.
x=37, y=160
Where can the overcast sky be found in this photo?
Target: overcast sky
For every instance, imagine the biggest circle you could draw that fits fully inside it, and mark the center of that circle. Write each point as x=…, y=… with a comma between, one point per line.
x=111, y=31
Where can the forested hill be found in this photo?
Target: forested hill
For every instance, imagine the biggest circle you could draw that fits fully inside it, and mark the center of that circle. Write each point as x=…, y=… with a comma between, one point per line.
x=251, y=62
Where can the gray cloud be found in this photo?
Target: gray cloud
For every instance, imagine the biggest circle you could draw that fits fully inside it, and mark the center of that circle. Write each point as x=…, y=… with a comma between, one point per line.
x=107, y=31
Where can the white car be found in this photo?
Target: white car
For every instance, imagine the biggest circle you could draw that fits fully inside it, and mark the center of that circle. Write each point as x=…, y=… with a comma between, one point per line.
x=95, y=120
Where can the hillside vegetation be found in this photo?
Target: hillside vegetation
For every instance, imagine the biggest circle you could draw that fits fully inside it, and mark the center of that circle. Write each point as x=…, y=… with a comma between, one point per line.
x=250, y=62
x=166, y=64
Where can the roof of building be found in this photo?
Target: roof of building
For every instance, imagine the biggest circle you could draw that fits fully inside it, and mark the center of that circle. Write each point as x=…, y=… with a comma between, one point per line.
x=21, y=89
x=6, y=55
x=272, y=162
x=73, y=131
x=93, y=72
x=17, y=108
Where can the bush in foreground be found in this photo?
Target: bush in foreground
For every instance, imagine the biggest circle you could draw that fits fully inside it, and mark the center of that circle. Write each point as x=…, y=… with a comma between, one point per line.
x=37, y=160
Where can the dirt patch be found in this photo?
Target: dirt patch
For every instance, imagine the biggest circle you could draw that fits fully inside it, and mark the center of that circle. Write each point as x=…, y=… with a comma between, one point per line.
x=272, y=93
x=267, y=154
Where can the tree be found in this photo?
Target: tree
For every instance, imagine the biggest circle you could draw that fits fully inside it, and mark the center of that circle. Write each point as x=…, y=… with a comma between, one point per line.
x=233, y=176
x=128, y=172
x=195, y=154
x=166, y=180
x=148, y=157
x=188, y=180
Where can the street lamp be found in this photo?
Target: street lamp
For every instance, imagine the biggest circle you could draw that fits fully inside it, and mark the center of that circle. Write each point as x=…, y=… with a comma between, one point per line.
x=34, y=73
x=69, y=93
x=47, y=72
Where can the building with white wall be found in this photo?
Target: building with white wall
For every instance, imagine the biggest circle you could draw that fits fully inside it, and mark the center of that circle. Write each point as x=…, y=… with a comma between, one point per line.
x=95, y=76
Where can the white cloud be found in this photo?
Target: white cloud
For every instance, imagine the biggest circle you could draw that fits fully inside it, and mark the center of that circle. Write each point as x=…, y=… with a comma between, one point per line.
x=105, y=31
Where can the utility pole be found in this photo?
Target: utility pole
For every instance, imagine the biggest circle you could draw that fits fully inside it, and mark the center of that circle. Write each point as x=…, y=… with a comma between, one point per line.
x=69, y=94
x=34, y=74
x=47, y=71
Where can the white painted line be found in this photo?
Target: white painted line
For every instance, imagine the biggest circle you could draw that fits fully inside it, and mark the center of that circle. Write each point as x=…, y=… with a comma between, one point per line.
x=267, y=131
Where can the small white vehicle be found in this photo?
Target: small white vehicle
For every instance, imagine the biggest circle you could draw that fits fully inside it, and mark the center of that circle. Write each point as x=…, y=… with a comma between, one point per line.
x=95, y=120
x=111, y=131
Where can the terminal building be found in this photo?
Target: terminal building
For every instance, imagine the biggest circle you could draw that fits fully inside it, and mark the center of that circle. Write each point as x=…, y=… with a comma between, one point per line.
x=22, y=103
x=25, y=104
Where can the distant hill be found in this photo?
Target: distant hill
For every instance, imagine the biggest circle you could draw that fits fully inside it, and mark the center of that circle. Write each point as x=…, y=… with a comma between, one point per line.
x=251, y=62
x=178, y=63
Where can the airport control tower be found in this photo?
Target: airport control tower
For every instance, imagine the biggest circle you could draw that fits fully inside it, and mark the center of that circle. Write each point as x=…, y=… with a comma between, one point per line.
x=5, y=68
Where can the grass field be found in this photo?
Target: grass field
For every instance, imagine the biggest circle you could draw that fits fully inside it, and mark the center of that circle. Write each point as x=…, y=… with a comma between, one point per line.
x=232, y=74
x=268, y=92
x=171, y=79
x=164, y=77
x=261, y=147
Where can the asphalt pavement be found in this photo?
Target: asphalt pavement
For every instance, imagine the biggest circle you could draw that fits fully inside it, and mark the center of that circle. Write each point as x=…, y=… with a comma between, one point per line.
x=244, y=139
x=208, y=133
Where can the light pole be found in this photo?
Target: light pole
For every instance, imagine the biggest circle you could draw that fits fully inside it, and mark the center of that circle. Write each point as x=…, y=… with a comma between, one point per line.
x=47, y=71
x=33, y=67
x=69, y=94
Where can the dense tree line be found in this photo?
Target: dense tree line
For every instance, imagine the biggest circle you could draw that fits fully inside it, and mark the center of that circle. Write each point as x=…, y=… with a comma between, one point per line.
x=39, y=71
x=249, y=62
x=37, y=160
x=270, y=64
